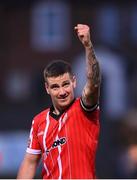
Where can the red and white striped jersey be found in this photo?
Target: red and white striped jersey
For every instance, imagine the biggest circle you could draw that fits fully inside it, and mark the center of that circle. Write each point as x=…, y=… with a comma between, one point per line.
x=68, y=145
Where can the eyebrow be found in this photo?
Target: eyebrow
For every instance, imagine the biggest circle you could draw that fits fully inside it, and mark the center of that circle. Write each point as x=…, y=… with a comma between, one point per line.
x=56, y=85
x=67, y=81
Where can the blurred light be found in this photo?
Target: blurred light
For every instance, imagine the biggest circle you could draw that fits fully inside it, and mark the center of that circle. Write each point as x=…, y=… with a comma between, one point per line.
x=108, y=24
x=12, y=148
x=50, y=26
x=17, y=85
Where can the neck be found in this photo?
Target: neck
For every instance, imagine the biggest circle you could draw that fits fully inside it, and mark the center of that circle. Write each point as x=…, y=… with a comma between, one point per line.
x=56, y=111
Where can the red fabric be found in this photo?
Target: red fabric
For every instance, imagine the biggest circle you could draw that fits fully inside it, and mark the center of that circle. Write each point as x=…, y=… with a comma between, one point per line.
x=70, y=142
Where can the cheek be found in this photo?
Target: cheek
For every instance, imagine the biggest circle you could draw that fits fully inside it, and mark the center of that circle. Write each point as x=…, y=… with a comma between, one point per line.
x=52, y=93
x=70, y=89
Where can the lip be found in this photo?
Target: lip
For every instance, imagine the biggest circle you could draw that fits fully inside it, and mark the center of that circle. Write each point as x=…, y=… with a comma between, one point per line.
x=63, y=99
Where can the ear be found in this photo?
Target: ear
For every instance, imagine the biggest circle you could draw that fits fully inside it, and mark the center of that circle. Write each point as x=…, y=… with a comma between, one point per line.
x=74, y=81
x=46, y=87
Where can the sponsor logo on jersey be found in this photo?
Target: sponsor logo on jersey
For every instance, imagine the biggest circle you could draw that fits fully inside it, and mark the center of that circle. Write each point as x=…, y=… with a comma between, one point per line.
x=56, y=143
x=59, y=142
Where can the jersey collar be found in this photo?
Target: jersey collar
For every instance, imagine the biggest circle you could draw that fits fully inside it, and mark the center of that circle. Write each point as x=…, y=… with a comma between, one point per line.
x=57, y=116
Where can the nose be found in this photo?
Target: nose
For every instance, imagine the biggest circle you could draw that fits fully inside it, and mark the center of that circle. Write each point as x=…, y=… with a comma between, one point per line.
x=62, y=92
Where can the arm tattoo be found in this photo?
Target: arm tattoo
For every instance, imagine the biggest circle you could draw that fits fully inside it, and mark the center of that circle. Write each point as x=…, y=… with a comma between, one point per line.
x=93, y=71
x=91, y=90
x=95, y=76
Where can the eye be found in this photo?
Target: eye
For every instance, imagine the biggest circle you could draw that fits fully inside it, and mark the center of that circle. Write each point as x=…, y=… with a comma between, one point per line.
x=66, y=84
x=54, y=87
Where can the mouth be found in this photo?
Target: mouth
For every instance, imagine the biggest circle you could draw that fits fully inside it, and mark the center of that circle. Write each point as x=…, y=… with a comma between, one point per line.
x=64, y=98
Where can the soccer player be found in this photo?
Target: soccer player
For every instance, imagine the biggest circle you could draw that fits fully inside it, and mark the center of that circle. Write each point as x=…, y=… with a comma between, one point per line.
x=66, y=134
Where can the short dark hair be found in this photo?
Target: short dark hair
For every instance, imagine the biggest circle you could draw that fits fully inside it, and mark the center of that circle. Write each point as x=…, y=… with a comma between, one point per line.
x=57, y=68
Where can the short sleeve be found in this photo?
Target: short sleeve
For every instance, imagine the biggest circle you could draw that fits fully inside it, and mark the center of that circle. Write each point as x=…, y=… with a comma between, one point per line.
x=33, y=143
x=88, y=108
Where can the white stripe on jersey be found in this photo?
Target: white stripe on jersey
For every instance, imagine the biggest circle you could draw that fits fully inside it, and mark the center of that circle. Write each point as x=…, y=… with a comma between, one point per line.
x=33, y=151
x=68, y=151
x=31, y=135
x=44, y=139
x=59, y=150
x=59, y=162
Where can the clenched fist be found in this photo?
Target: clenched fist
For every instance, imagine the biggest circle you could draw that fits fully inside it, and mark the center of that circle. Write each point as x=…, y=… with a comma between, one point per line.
x=83, y=32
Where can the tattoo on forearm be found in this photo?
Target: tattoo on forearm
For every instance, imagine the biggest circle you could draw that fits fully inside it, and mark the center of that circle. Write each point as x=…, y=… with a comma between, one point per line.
x=91, y=56
x=90, y=92
x=93, y=71
x=96, y=74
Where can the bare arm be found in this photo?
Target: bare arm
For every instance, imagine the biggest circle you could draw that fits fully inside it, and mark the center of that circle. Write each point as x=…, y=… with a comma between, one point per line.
x=91, y=91
x=28, y=167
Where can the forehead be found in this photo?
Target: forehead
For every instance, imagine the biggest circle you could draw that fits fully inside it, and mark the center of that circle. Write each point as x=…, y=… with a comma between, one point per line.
x=59, y=79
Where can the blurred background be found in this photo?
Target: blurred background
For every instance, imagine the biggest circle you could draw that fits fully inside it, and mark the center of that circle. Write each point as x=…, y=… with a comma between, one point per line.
x=34, y=32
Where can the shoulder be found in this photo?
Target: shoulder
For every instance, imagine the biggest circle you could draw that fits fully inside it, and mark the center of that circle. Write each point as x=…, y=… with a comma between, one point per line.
x=40, y=117
x=90, y=114
x=76, y=104
x=79, y=104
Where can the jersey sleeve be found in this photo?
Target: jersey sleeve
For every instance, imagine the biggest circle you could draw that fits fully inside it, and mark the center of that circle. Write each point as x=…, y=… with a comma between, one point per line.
x=33, y=143
x=88, y=108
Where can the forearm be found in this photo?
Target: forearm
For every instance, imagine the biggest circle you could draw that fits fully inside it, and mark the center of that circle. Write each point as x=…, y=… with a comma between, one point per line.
x=28, y=167
x=91, y=91
x=92, y=69
x=26, y=171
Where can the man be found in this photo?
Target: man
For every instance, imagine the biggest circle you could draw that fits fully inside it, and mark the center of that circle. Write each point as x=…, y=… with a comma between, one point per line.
x=66, y=135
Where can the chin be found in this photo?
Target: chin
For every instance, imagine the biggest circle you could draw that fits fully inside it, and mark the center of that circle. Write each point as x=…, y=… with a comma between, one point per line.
x=64, y=105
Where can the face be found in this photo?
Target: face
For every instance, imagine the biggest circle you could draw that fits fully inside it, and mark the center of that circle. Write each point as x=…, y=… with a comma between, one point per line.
x=61, y=90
